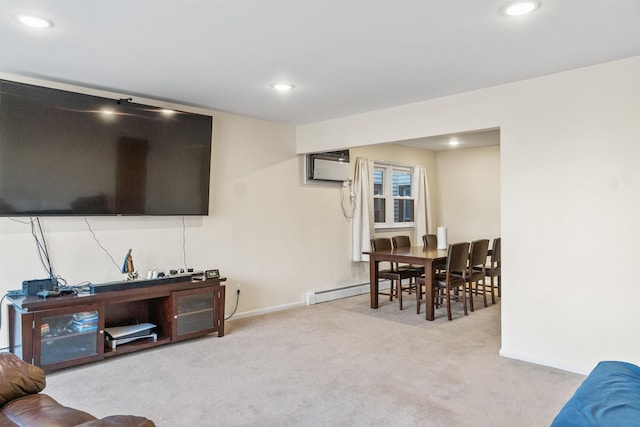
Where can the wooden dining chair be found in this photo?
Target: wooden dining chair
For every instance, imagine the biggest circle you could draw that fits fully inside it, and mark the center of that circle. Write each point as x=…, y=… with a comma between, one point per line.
x=453, y=280
x=493, y=270
x=476, y=270
x=402, y=241
x=395, y=274
x=430, y=241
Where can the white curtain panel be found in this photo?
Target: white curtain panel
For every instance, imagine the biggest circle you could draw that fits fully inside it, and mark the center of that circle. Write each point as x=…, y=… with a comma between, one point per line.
x=423, y=204
x=363, y=222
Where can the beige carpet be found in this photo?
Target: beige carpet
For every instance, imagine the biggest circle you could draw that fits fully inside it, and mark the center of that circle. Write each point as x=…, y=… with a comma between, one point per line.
x=333, y=364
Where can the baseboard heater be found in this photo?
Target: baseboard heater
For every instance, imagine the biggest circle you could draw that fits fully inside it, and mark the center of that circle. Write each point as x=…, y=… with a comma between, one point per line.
x=316, y=297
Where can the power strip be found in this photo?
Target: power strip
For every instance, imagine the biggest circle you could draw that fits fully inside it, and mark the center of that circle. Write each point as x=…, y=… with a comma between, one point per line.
x=15, y=293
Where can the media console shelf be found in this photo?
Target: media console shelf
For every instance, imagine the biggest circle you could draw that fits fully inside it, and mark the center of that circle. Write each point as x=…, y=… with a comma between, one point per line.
x=58, y=332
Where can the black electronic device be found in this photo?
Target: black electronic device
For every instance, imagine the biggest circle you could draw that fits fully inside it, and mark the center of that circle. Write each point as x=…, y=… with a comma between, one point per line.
x=32, y=287
x=15, y=293
x=47, y=293
x=134, y=284
x=111, y=156
x=212, y=274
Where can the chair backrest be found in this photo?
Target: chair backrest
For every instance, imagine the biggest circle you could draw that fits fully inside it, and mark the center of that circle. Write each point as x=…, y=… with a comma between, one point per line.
x=495, y=251
x=478, y=253
x=457, y=257
x=381, y=244
x=430, y=240
x=401, y=241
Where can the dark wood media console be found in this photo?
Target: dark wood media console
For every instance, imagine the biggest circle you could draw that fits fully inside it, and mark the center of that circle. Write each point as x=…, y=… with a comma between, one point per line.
x=70, y=330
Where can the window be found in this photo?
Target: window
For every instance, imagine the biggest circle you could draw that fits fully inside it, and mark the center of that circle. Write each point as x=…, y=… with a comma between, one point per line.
x=393, y=203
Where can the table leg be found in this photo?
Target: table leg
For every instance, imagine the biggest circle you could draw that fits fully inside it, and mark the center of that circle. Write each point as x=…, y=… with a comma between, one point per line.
x=429, y=279
x=373, y=281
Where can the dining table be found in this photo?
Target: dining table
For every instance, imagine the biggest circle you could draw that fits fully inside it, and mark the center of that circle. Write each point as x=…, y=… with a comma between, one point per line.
x=415, y=255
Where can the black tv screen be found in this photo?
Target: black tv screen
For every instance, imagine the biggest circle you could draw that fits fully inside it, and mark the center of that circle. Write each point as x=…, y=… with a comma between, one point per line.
x=66, y=153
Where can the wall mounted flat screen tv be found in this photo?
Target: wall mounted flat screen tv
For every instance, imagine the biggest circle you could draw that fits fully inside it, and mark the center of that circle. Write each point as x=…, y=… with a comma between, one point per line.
x=66, y=153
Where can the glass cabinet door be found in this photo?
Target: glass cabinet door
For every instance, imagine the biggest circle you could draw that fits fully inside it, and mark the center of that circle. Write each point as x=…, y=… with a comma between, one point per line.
x=67, y=335
x=193, y=312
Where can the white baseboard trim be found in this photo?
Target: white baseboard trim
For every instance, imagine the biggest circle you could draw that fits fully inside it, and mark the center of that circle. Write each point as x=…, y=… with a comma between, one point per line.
x=543, y=362
x=316, y=297
x=266, y=310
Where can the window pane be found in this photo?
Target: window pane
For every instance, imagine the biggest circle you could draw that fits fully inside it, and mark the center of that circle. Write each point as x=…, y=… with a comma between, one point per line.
x=403, y=210
x=401, y=183
x=378, y=183
x=379, y=210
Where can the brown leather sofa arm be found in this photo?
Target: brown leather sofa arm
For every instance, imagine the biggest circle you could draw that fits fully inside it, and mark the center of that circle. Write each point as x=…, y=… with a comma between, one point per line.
x=120, y=421
x=18, y=378
x=22, y=404
x=34, y=409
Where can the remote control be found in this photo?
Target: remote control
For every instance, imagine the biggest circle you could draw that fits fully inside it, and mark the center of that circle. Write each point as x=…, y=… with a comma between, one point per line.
x=45, y=293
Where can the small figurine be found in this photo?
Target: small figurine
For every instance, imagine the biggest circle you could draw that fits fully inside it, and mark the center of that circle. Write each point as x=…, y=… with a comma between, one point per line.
x=127, y=267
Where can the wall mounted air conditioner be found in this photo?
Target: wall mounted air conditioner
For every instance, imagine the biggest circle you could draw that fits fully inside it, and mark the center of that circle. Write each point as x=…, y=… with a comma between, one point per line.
x=328, y=167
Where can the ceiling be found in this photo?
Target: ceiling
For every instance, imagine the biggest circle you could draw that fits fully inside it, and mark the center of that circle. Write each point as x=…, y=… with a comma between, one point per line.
x=344, y=57
x=475, y=139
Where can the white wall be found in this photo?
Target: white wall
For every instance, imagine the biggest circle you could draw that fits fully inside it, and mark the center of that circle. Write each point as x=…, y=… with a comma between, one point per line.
x=266, y=231
x=469, y=193
x=570, y=216
x=569, y=201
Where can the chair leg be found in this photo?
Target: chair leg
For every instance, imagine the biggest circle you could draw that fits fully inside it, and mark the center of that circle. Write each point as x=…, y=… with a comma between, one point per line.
x=464, y=299
x=493, y=294
x=448, y=304
x=464, y=291
x=484, y=290
x=399, y=292
x=500, y=286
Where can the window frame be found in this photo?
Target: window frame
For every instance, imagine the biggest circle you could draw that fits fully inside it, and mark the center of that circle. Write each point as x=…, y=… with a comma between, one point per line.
x=388, y=170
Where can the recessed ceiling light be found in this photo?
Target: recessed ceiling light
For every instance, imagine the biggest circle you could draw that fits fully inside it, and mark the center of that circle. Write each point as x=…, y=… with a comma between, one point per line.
x=34, y=21
x=282, y=87
x=521, y=7
x=453, y=142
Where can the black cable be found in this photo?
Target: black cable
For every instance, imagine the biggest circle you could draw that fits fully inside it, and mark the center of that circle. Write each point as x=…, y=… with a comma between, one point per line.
x=43, y=251
x=100, y=244
x=33, y=233
x=46, y=249
x=82, y=286
x=38, y=245
x=21, y=222
x=184, y=244
x=41, y=245
x=236, y=307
